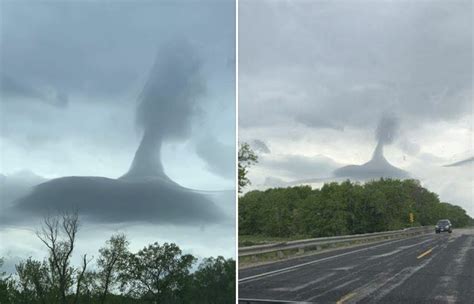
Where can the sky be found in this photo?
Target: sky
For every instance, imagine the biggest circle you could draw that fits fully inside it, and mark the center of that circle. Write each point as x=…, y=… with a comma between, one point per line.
x=317, y=80
x=76, y=78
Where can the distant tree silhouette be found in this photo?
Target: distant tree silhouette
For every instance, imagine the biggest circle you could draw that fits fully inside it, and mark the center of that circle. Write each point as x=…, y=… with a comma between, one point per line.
x=246, y=158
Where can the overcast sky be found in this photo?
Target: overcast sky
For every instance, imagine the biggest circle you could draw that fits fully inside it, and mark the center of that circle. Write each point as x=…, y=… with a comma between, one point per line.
x=71, y=76
x=317, y=77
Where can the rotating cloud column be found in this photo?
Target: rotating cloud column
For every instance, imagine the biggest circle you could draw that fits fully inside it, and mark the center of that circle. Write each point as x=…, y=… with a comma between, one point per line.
x=166, y=106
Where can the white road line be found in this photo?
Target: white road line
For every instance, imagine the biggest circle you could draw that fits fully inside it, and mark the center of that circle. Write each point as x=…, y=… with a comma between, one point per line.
x=291, y=268
x=385, y=254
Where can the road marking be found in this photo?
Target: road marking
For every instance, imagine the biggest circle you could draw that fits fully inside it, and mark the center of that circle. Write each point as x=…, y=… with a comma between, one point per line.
x=384, y=254
x=347, y=268
x=425, y=253
x=346, y=297
x=291, y=268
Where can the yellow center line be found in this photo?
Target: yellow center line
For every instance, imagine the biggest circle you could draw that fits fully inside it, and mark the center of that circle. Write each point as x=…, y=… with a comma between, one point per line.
x=346, y=297
x=424, y=253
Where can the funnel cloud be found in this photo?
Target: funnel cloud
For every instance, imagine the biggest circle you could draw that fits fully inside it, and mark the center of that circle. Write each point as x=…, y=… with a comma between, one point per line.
x=378, y=166
x=386, y=130
x=166, y=106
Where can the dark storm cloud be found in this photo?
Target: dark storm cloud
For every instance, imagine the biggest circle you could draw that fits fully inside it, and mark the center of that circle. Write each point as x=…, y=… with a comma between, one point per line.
x=346, y=63
x=17, y=185
x=114, y=201
x=102, y=48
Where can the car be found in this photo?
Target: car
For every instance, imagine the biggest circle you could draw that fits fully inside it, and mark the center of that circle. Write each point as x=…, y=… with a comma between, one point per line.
x=444, y=226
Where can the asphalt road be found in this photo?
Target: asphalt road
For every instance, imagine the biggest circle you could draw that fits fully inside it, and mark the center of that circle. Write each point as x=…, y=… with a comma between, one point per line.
x=424, y=269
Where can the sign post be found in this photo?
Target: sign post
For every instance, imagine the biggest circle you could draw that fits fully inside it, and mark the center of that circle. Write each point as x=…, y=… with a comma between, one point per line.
x=412, y=218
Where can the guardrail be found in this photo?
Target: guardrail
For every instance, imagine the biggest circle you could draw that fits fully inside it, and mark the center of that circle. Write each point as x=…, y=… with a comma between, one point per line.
x=317, y=243
x=258, y=301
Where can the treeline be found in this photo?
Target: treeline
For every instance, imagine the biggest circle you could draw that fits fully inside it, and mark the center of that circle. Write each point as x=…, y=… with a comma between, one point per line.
x=343, y=208
x=154, y=274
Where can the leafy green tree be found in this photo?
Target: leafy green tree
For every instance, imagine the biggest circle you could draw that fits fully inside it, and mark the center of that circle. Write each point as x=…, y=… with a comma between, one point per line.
x=343, y=208
x=213, y=282
x=246, y=158
x=157, y=274
x=36, y=282
x=7, y=287
x=112, y=258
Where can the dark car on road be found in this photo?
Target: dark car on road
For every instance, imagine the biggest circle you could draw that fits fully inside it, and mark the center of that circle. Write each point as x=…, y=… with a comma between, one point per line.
x=444, y=226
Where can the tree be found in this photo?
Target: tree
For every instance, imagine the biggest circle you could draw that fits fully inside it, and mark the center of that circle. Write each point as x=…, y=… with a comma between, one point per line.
x=343, y=208
x=36, y=282
x=214, y=281
x=157, y=274
x=247, y=158
x=111, y=260
x=58, y=234
x=7, y=287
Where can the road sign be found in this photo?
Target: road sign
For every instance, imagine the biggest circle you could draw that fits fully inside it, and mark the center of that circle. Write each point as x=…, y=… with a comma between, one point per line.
x=412, y=217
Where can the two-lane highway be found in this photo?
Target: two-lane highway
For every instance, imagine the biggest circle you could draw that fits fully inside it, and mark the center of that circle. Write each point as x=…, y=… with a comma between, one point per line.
x=434, y=268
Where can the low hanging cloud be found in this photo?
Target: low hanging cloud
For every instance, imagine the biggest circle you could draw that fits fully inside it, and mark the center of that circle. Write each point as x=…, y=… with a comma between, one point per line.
x=17, y=185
